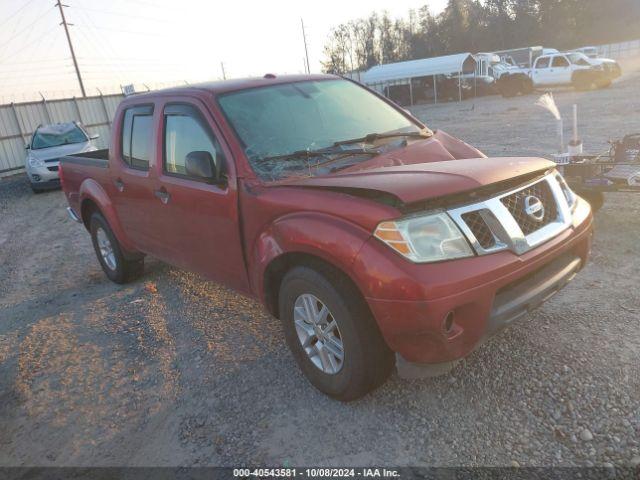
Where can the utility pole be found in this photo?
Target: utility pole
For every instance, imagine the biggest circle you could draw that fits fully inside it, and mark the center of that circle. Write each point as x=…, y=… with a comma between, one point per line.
x=224, y=75
x=73, y=53
x=306, y=51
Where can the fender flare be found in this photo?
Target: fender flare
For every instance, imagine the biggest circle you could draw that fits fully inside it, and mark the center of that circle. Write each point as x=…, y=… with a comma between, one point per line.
x=93, y=191
x=330, y=238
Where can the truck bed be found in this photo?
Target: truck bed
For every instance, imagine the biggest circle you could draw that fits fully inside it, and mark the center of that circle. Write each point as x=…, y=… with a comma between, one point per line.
x=81, y=167
x=95, y=158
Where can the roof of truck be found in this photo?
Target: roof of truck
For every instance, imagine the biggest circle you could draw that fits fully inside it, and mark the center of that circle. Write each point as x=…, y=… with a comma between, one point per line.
x=224, y=86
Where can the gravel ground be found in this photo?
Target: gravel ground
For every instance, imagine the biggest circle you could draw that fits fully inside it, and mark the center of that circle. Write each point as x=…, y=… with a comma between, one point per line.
x=174, y=370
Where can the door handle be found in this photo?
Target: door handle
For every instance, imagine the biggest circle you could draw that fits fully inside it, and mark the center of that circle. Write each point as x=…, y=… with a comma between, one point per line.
x=119, y=184
x=163, y=195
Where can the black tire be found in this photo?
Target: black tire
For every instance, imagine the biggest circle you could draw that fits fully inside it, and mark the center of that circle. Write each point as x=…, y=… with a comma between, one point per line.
x=368, y=361
x=508, y=88
x=35, y=189
x=583, y=81
x=527, y=86
x=514, y=85
x=126, y=269
x=595, y=199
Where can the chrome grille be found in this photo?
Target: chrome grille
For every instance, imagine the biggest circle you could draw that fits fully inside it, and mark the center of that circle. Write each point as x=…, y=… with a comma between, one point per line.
x=502, y=223
x=480, y=229
x=516, y=206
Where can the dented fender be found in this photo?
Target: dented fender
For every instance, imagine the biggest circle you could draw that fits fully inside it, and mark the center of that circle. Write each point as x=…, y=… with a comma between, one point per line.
x=330, y=238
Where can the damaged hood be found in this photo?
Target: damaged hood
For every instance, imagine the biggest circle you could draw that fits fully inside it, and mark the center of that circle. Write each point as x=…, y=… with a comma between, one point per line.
x=426, y=169
x=422, y=181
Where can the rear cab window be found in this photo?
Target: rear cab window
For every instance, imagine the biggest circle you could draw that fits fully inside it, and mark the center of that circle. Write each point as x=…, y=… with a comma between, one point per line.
x=136, y=136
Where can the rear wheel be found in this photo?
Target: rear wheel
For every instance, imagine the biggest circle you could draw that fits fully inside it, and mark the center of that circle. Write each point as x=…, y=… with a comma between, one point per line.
x=331, y=333
x=508, y=87
x=527, y=86
x=115, y=265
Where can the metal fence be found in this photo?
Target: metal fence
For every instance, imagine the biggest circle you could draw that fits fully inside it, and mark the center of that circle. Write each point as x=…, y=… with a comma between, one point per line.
x=19, y=120
x=620, y=50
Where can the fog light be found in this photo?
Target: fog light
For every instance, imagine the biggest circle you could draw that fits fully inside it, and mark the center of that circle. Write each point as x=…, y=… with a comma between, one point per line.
x=36, y=177
x=447, y=323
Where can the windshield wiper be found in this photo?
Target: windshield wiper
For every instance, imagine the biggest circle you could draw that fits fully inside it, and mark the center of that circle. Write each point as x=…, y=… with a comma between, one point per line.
x=322, y=152
x=294, y=155
x=371, y=137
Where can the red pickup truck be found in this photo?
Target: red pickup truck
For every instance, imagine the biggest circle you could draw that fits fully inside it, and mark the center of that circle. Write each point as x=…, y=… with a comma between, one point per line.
x=376, y=242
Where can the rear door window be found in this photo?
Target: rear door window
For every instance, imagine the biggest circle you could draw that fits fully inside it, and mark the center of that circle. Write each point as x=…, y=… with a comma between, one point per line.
x=137, y=134
x=560, y=62
x=542, y=62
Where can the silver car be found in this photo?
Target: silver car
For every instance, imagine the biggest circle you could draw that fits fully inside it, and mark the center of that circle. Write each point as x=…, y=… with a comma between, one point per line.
x=48, y=144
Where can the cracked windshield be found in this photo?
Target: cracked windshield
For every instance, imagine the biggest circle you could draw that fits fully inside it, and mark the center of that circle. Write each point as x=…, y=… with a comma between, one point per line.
x=313, y=127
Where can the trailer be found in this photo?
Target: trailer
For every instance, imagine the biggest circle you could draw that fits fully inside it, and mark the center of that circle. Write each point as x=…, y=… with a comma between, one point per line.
x=523, y=57
x=617, y=170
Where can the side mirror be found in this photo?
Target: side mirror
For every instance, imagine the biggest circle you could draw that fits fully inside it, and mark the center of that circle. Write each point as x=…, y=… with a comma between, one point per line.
x=94, y=136
x=200, y=164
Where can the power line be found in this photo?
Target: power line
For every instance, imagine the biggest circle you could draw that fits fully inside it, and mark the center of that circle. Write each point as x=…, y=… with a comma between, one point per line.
x=15, y=35
x=119, y=14
x=101, y=44
x=34, y=68
x=38, y=39
x=39, y=61
x=148, y=34
x=16, y=12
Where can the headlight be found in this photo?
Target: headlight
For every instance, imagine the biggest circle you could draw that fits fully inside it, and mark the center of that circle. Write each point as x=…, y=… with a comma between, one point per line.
x=569, y=195
x=423, y=239
x=35, y=162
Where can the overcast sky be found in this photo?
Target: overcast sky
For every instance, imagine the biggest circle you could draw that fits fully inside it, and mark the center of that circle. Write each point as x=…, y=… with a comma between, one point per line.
x=155, y=41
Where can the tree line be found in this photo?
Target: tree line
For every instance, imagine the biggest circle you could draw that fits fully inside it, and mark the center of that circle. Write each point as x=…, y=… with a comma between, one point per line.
x=479, y=26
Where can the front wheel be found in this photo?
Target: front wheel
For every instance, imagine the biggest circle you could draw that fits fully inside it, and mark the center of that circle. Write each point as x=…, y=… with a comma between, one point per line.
x=595, y=199
x=331, y=333
x=583, y=81
x=116, y=266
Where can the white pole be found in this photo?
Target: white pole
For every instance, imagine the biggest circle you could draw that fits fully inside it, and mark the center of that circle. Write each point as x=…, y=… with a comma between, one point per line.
x=575, y=124
x=561, y=135
x=411, y=91
x=435, y=90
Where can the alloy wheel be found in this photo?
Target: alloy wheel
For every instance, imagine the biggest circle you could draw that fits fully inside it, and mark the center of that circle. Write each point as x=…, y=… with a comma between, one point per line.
x=106, y=249
x=318, y=333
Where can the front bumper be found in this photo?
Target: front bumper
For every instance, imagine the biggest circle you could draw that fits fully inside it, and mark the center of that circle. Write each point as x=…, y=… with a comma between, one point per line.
x=612, y=70
x=44, y=177
x=482, y=295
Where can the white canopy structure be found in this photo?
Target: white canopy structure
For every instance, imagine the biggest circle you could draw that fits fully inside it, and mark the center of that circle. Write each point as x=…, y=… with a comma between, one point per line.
x=399, y=80
x=448, y=65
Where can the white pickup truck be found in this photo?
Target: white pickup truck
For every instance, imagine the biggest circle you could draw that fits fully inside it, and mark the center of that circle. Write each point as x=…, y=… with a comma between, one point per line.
x=557, y=69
